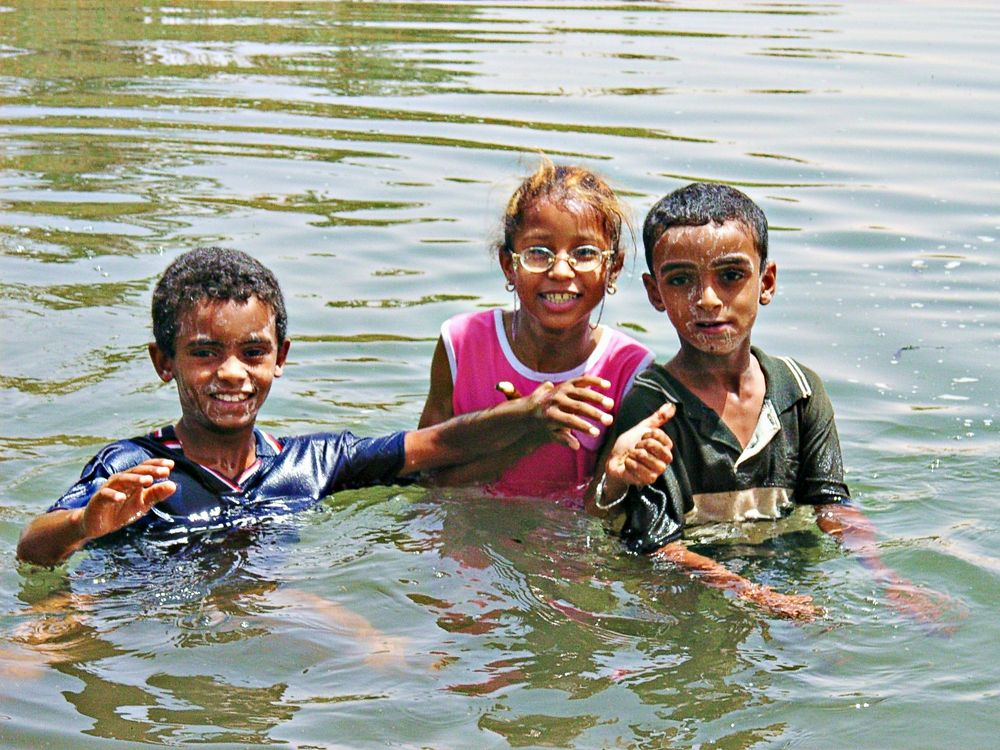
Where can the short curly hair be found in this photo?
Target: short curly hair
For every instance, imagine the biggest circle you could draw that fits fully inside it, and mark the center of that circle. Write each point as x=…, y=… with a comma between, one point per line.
x=213, y=273
x=702, y=203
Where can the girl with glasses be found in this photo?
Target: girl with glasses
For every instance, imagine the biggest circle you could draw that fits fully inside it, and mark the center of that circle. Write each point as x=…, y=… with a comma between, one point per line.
x=560, y=254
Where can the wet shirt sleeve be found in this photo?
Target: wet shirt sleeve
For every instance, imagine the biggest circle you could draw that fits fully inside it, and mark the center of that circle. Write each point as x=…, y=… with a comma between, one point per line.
x=112, y=459
x=340, y=461
x=821, y=466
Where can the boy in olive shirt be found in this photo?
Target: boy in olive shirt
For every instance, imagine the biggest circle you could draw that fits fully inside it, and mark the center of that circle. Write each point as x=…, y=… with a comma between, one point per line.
x=750, y=435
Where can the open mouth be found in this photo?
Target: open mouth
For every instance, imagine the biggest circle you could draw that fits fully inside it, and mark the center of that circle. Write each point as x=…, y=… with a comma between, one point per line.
x=232, y=398
x=560, y=298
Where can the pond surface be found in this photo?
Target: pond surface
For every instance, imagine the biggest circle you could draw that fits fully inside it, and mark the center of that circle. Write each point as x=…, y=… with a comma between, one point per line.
x=363, y=151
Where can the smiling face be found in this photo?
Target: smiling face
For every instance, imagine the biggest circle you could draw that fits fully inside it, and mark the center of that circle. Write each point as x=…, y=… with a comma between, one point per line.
x=227, y=356
x=709, y=282
x=560, y=298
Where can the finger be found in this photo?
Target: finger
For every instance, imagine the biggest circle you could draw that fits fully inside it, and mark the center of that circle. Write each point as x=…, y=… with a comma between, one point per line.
x=508, y=389
x=643, y=470
x=168, y=462
x=563, y=410
x=152, y=470
x=129, y=481
x=159, y=492
x=567, y=438
x=590, y=381
x=660, y=417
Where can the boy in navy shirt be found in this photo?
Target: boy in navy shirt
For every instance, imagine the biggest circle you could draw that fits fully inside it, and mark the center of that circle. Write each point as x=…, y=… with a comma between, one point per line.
x=219, y=325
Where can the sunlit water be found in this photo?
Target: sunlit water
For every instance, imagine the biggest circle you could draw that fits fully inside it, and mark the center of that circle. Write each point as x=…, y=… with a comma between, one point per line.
x=363, y=151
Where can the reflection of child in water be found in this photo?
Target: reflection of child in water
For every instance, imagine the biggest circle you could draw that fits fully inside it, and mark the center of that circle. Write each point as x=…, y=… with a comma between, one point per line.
x=561, y=252
x=751, y=434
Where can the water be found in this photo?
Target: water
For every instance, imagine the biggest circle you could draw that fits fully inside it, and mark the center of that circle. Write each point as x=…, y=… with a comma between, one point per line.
x=363, y=151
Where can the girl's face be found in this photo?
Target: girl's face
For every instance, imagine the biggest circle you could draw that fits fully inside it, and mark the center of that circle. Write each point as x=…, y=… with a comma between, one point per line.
x=560, y=298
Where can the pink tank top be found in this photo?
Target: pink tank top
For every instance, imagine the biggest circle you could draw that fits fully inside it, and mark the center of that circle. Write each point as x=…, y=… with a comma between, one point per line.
x=480, y=356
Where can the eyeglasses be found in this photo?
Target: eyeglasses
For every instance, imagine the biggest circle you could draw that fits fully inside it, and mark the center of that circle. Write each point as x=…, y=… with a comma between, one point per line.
x=582, y=259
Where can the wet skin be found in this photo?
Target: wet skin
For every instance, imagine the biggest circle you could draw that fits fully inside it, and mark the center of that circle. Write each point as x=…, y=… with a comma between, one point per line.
x=558, y=303
x=226, y=358
x=709, y=281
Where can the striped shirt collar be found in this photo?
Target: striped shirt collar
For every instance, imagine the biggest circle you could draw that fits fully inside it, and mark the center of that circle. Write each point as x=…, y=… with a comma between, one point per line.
x=267, y=446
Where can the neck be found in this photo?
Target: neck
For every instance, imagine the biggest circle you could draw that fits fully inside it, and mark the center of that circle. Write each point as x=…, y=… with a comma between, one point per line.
x=229, y=454
x=699, y=370
x=548, y=350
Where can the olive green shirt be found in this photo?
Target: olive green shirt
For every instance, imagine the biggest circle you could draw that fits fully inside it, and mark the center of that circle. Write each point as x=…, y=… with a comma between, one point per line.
x=792, y=458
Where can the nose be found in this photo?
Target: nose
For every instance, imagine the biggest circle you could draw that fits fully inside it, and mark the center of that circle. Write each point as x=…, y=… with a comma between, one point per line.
x=708, y=299
x=231, y=368
x=561, y=269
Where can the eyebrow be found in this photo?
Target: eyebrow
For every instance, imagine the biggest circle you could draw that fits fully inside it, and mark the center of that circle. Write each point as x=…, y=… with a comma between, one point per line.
x=733, y=259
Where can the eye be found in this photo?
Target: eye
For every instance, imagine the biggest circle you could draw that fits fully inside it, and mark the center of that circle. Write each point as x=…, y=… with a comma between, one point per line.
x=586, y=253
x=678, y=279
x=537, y=257
x=732, y=275
x=257, y=351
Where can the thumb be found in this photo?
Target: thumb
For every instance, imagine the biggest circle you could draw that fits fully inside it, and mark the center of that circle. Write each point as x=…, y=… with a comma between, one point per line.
x=661, y=416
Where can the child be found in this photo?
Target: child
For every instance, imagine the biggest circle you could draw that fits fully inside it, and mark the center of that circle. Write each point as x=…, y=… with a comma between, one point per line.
x=752, y=434
x=560, y=254
x=219, y=324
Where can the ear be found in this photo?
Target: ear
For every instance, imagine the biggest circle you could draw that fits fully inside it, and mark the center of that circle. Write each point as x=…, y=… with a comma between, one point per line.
x=768, y=282
x=162, y=362
x=653, y=292
x=617, y=263
x=507, y=266
x=279, y=365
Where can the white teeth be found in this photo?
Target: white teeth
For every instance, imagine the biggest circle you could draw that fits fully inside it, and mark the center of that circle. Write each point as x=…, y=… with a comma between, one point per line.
x=233, y=397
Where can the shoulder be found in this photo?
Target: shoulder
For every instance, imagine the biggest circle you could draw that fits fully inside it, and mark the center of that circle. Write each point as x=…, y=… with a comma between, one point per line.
x=620, y=356
x=462, y=324
x=653, y=384
x=788, y=380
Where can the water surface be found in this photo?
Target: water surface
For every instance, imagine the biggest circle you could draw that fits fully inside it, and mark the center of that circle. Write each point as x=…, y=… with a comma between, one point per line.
x=364, y=152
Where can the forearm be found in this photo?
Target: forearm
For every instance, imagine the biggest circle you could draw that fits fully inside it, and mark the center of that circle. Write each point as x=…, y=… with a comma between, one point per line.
x=852, y=529
x=716, y=575
x=710, y=572
x=52, y=537
x=487, y=468
x=469, y=437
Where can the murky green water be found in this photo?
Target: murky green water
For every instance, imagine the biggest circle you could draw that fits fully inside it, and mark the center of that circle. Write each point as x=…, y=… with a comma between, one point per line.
x=363, y=151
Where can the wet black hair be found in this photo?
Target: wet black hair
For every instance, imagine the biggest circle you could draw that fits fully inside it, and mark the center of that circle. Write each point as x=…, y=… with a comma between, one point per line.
x=703, y=203
x=213, y=273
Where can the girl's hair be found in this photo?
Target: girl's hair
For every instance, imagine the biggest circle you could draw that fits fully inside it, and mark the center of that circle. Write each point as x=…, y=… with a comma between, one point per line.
x=564, y=184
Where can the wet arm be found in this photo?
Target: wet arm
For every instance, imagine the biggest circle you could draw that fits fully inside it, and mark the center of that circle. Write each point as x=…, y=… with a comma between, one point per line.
x=718, y=576
x=122, y=499
x=52, y=537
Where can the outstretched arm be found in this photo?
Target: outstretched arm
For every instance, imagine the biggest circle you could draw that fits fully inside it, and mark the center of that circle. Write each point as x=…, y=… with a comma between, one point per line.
x=480, y=445
x=124, y=498
x=717, y=575
x=856, y=533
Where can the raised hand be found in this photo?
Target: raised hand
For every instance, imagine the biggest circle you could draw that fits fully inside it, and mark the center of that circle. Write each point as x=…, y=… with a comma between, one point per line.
x=573, y=405
x=127, y=497
x=640, y=455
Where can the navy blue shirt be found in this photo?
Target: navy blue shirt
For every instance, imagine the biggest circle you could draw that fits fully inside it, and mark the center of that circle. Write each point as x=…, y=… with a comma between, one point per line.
x=290, y=474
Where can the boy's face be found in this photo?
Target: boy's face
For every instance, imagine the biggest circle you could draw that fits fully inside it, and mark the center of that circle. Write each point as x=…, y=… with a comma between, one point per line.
x=709, y=282
x=227, y=356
